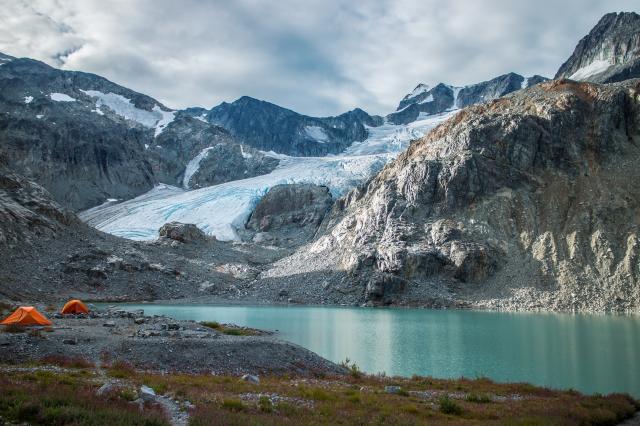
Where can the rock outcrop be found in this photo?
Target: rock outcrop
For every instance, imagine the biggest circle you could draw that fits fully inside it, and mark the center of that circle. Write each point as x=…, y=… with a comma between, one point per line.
x=27, y=211
x=182, y=232
x=609, y=53
x=289, y=215
x=526, y=202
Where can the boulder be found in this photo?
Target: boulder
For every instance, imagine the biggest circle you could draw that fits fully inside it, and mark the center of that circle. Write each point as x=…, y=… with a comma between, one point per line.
x=182, y=232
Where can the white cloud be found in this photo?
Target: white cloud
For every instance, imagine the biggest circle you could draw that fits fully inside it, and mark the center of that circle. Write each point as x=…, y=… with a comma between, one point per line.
x=316, y=57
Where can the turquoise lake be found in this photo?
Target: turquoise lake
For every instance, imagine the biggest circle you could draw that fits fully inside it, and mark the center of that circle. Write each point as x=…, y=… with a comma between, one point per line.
x=590, y=353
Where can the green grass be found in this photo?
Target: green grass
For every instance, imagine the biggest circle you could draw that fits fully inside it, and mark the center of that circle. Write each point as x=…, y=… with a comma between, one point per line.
x=449, y=406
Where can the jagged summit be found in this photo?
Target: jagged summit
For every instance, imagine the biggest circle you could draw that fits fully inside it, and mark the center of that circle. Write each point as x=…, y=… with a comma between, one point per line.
x=609, y=53
x=442, y=97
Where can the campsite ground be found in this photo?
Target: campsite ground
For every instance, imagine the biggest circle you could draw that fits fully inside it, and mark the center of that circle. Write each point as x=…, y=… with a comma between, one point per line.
x=91, y=369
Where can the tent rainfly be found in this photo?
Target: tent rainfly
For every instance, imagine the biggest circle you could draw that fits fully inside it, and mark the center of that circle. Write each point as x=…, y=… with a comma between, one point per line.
x=26, y=315
x=75, y=307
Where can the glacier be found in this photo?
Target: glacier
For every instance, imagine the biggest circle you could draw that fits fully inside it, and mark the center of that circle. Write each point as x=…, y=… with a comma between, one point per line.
x=220, y=210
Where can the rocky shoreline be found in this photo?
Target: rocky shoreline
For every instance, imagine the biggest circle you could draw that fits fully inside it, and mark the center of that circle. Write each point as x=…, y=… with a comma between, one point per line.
x=161, y=344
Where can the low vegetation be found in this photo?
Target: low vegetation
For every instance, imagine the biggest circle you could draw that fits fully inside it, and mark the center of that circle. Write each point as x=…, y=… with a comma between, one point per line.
x=68, y=396
x=230, y=330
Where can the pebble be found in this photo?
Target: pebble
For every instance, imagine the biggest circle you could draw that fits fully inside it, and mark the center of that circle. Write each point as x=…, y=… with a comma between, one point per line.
x=251, y=378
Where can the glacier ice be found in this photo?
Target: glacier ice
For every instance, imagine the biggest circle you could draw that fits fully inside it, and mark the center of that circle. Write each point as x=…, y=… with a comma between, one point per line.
x=220, y=210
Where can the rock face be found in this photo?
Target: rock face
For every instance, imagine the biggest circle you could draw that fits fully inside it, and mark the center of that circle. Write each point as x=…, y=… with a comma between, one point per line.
x=86, y=139
x=443, y=97
x=27, y=211
x=609, y=53
x=289, y=215
x=529, y=201
x=183, y=232
x=269, y=127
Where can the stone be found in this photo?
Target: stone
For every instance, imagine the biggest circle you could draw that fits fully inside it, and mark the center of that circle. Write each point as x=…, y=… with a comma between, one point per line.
x=110, y=324
x=392, y=389
x=106, y=388
x=70, y=341
x=140, y=320
x=146, y=393
x=251, y=378
x=182, y=232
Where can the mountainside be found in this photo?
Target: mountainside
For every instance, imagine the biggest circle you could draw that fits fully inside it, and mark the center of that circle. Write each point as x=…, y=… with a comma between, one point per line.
x=269, y=127
x=609, y=53
x=443, y=97
x=87, y=139
x=529, y=201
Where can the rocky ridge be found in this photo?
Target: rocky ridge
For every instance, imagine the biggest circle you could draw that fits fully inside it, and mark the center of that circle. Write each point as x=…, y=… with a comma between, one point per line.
x=525, y=202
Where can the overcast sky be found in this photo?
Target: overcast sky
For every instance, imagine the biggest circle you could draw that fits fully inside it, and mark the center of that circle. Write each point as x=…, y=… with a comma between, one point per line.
x=316, y=57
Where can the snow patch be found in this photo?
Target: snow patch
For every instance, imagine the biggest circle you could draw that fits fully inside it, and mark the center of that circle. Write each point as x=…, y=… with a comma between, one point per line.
x=456, y=93
x=525, y=83
x=596, y=67
x=245, y=155
x=28, y=99
x=156, y=118
x=427, y=99
x=39, y=116
x=61, y=97
x=193, y=166
x=202, y=117
x=316, y=133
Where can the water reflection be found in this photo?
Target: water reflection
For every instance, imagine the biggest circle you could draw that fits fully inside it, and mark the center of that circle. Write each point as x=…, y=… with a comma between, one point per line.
x=591, y=353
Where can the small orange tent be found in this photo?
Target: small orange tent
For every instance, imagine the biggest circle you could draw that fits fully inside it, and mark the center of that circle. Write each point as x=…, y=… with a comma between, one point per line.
x=75, y=307
x=26, y=315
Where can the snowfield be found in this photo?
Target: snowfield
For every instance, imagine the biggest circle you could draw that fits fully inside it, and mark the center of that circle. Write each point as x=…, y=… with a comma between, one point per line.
x=220, y=210
x=157, y=118
x=595, y=67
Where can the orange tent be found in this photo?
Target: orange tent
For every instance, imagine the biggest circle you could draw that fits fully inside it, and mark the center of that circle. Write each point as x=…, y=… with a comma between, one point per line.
x=75, y=307
x=26, y=315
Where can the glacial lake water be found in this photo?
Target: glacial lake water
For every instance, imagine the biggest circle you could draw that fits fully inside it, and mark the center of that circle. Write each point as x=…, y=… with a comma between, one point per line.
x=590, y=353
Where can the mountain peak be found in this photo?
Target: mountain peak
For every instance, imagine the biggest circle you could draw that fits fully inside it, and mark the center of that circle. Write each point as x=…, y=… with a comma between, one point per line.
x=610, y=52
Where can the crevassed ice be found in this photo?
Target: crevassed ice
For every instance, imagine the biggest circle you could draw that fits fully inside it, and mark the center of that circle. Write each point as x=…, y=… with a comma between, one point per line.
x=122, y=106
x=595, y=67
x=220, y=210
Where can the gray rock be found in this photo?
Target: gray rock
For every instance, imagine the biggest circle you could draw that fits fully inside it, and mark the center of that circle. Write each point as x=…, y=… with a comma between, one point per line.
x=146, y=393
x=110, y=324
x=182, y=232
x=140, y=320
x=251, y=378
x=289, y=215
x=70, y=341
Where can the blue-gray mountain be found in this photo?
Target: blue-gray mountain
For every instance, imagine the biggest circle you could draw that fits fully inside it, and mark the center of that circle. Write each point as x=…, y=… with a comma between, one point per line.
x=443, y=97
x=609, y=53
x=270, y=127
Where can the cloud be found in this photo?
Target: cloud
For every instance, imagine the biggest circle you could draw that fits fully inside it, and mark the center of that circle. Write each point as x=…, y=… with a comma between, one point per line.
x=316, y=57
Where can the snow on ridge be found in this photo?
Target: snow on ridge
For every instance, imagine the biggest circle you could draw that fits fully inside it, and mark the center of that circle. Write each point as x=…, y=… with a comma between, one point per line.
x=525, y=82
x=193, y=166
x=156, y=118
x=595, y=67
x=28, y=99
x=316, y=133
x=427, y=99
x=61, y=97
x=420, y=89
